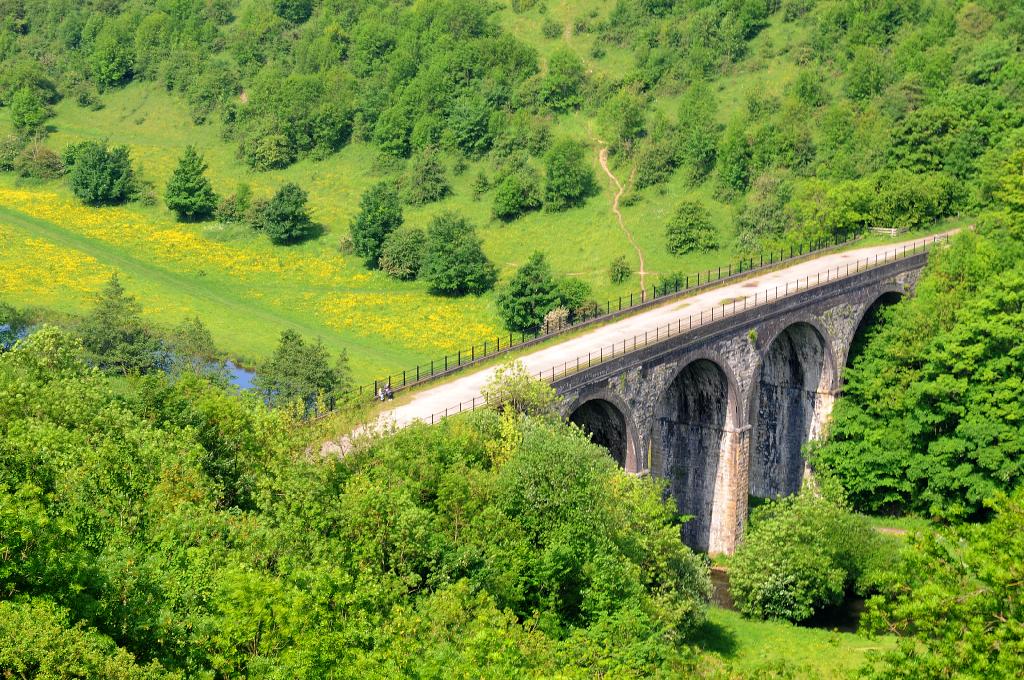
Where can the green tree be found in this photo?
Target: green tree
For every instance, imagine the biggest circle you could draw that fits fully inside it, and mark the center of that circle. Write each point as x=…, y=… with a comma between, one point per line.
x=569, y=178
x=99, y=175
x=380, y=213
x=803, y=553
x=512, y=388
x=28, y=111
x=401, y=255
x=619, y=270
x=112, y=56
x=293, y=11
x=425, y=180
x=517, y=193
x=454, y=262
x=189, y=193
x=560, y=89
x=622, y=120
x=690, y=230
x=530, y=294
x=698, y=132
x=301, y=372
x=284, y=218
x=194, y=350
x=115, y=336
x=734, y=159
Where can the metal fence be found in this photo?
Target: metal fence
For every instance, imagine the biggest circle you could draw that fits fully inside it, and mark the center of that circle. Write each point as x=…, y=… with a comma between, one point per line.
x=693, y=321
x=624, y=304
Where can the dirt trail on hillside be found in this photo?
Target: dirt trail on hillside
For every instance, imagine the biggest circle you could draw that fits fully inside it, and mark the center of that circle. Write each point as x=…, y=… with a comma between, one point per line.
x=602, y=158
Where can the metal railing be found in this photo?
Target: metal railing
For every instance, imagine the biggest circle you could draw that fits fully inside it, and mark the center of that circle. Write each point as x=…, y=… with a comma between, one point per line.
x=684, y=325
x=612, y=308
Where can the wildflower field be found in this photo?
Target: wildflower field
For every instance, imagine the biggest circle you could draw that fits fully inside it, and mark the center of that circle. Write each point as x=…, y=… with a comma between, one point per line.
x=57, y=252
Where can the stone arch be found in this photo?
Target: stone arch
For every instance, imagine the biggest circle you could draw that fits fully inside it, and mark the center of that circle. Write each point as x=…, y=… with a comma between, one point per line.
x=605, y=418
x=692, y=422
x=796, y=381
x=867, y=318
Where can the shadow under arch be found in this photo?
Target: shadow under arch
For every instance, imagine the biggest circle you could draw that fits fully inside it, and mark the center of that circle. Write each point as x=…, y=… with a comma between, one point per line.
x=690, y=426
x=870, y=320
x=607, y=426
x=795, y=385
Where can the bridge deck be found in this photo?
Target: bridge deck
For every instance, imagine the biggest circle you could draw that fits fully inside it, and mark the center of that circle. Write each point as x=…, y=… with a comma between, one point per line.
x=463, y=392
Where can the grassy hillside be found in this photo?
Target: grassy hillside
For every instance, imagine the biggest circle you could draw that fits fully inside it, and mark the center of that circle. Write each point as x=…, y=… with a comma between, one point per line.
x=820, y=117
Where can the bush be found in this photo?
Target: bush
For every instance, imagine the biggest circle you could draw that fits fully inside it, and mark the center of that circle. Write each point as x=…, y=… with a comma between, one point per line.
x=560, y=89
x=100, y=176
x=380, y=213
x=620, y=271
x=233, y=208
x=803, y=553
x=516, y=193
x=454, y=263
x=425, y=181
x=401, y=255
x=284, y=218
x=10, y=148
x=551, y=28
x=570, y=179
x=529, y=295
x=39, y=162
x=655, y=162
x=690, y=230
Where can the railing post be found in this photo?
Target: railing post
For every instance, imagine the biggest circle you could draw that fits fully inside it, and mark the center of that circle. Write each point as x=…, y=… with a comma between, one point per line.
x=403, y=378
x=446, y=362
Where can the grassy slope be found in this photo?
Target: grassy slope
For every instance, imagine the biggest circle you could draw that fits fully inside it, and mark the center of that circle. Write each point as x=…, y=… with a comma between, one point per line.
x=248, y=291
x=754, y=647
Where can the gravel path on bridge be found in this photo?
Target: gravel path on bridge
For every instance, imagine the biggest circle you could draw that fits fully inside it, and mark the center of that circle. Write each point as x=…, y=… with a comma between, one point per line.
x=465, y=388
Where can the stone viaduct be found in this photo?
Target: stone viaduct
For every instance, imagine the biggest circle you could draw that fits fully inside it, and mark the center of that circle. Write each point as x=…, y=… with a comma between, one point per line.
x=723, y=412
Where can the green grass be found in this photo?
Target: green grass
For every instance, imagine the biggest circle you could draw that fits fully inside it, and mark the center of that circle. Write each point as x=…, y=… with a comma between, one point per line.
x=753, y=648
x=383, y=324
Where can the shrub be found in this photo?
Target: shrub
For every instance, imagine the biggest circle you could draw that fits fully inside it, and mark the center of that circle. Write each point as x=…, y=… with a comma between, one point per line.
x=572, y=293
x=551, y=28
x=454, y=262
x=804, y=553
x=380, y=213
x=570, y=179
x=620, y=270
x=189, y=193
x=529, y=295
x=284, y=218
x=516, y=193
x=401, y=255
x=293, y=11
x=10, y=148
x=655, y=162
x=425, y=181
x=100, y=176
x=233, y=208
x=690, y=230
x=513, y=388
x=39, y=162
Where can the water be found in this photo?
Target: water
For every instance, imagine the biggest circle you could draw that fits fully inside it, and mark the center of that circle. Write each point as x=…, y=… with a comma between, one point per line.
x=240, y=377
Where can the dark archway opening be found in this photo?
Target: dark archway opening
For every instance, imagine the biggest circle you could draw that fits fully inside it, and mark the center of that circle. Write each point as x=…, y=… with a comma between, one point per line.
x=690, y=425
x=874, y=318
x=606, y=426
x=788, y=392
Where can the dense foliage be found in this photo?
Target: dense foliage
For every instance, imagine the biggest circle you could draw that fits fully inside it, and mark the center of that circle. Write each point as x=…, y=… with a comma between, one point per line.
x=380, y=213
x=931, y=418
x=154, y=528
x=802, y=554
x=958, y=598
x=99, y=175
x=530, y=294
x=284, y=218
